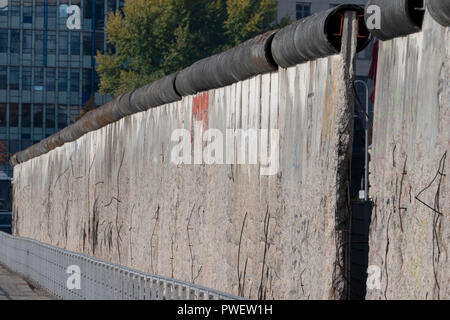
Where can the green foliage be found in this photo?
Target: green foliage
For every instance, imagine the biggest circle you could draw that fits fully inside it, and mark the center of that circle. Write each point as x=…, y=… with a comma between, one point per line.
x=248, y=18
x=157, y=37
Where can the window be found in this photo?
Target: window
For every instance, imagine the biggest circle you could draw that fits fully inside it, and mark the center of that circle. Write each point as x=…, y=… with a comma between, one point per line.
x=99, y=15
x=87, y=45
x=62, y=117
x=26, y=78
x=4, y=12
x=28, y=11
x=2, y=114
x=50, y=117
x=3, y=40
x=13, y=115
x=14, y=78
x=38, y=79
x=39, y=42
x=40, y=8
x=75, y=81
x=99, y=42
x=3, y=77
x=37, y=116
x=87, y=8
x=52, y=10
x=51, y=79
x=62, y=80
x=27, y=41
x=15, y=41
x=26, y=115
x=63, y=43
x=302, y=9
x=15, y=8
x=51, y=42
x=87, y=84
x=5, y=196
x=75, y=43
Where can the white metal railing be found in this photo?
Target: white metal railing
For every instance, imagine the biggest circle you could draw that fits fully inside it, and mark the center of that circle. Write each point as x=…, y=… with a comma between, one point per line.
x=100, y=280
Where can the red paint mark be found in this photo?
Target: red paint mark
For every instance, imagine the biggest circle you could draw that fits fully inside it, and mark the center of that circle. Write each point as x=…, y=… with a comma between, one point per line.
x=199, y=118
x=200, y=109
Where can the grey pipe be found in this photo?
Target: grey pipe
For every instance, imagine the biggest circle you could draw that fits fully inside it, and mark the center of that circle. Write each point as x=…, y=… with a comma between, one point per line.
x=315, y=37
x=248, y=59
x=398, y=18
x=440, y=11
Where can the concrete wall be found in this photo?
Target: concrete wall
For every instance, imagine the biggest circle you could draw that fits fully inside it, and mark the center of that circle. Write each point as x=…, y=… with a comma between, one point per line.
x=115, y=195
x=410, y=228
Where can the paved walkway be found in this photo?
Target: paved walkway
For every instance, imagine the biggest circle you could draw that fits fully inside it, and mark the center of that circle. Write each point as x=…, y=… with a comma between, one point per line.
x=13, y=287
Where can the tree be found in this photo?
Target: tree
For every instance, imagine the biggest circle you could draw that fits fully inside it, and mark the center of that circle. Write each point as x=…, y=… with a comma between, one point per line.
x=153, y=38
x=248, y=18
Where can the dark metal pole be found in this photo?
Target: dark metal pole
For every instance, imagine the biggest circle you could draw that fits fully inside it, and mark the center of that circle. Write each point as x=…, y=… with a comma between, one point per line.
x=366, y=153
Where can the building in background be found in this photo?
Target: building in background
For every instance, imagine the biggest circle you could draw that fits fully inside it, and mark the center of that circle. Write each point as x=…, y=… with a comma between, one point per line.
x=47, y=65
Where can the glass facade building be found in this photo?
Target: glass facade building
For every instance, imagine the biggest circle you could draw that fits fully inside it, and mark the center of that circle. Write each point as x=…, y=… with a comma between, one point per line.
x=47, y=65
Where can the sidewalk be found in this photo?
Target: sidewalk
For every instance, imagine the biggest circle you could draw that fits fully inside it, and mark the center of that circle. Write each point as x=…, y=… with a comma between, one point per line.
x=13, y=287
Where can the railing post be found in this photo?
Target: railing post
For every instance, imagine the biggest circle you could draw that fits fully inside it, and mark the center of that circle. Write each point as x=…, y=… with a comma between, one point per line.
x=141, y=288
x=148, y=291
x=176, y=292
x=160, y=290
x=168, y=293
x=183, y=293
x=191, y=294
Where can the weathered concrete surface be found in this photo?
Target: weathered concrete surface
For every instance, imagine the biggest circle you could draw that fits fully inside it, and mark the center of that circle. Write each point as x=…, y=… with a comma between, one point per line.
x=410, y=228
x=13, y=287
x=115, y=195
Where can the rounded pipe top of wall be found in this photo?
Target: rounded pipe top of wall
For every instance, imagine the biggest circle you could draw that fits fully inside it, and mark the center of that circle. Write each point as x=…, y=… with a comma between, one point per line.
x=388, y=19
x=440, y=11
x=248, y=59
x=316, y=36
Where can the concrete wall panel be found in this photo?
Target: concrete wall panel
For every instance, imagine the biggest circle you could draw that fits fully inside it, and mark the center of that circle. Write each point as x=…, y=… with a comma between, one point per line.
x=410, y=227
